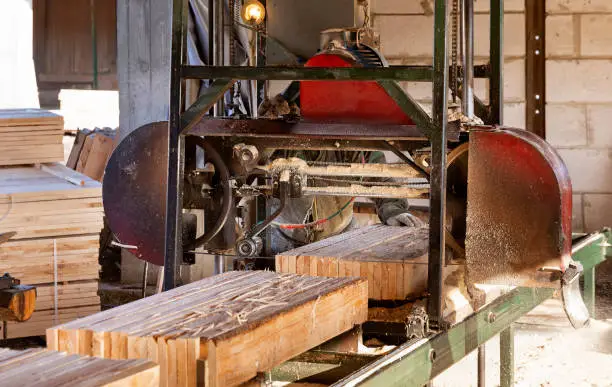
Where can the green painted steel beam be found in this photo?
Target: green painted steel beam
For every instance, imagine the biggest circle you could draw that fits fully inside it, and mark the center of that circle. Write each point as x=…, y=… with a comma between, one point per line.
x=482, y=111
x=398, y=73
x=416, y=364
x=405, y=73
x=506, y=357
x=409, y=106
x=204, y=103
x=592, y=249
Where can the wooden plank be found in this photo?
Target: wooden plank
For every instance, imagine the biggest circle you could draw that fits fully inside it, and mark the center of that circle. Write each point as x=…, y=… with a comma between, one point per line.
x=258, y=314
x=77, y=146
x=30, y=136
x=386, y=256
x=35, y=367
x=98, y=151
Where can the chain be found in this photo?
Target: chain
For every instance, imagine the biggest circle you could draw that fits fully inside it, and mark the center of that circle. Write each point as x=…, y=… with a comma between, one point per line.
x=366, y=14
x=454, y=57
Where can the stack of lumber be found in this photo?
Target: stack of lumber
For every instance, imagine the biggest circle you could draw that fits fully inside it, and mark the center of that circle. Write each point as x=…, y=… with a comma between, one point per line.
x=393, y=259
x=30, y=136
x=223, y=330
x=38, y=367
x=57, y=216
x=91, y=151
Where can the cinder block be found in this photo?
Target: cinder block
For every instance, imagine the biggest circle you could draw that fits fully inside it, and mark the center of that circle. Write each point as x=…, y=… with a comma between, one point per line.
x=514, y=82
x=599, y=124
x=559, y=35
x=597, y=211
x=405, y=35
x=514, y=115
x=402, y=7
x=514, y=35
x=427, y=7
x=566, y=125
x=587, y=169
x=577, y=217
x=596, y=35
x=509, y=5
x=579, y=80
x=420, y=91
x=578, y=6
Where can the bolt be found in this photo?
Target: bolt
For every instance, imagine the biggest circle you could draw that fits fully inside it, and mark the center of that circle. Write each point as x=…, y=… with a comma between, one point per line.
x=432, y=355
x=491, y=317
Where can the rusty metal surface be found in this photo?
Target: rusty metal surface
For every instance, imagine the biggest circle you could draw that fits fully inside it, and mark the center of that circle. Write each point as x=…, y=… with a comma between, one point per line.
x=134, y=191
x=519, y=209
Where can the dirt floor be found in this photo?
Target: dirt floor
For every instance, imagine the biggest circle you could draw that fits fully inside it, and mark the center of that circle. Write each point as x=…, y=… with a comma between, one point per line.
x=548, y=351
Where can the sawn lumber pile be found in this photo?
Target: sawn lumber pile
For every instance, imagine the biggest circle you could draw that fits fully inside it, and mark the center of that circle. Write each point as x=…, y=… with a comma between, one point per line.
x=393, y=259
x=57, y=216
x=30, y=136
x=38, y=367
x=91, y=150
x=223, y=330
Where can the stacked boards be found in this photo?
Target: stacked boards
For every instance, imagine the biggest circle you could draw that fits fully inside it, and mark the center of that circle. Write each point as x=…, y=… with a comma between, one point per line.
x=223, y=330
x=393, y=259
x=30, y=136
x=38, y=367
x=57, y=216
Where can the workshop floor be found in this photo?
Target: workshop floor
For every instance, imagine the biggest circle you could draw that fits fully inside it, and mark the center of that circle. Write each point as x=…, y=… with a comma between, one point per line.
x=548, y=351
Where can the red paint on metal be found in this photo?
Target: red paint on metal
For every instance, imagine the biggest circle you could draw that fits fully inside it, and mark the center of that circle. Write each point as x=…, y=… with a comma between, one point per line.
x=519, y=208
x=347, y=101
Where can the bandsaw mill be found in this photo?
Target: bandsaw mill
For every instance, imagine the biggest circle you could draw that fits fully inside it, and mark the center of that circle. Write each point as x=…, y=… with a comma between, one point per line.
x=356, y=237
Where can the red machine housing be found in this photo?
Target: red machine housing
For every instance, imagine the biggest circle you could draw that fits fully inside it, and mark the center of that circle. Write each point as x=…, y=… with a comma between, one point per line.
x=347, y=101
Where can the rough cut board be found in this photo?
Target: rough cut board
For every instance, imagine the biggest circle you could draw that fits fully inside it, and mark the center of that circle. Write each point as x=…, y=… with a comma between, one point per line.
x=44, y=201
x=222, y=330
x=30, y=136
x=39, y=367
x=393, y=259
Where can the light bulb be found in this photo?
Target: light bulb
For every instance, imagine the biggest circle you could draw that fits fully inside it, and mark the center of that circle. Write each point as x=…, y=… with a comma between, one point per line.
x=253, y=12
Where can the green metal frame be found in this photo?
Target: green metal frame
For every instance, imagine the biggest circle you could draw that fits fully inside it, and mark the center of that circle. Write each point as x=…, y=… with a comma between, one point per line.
x=433, y=127
x=415, y=363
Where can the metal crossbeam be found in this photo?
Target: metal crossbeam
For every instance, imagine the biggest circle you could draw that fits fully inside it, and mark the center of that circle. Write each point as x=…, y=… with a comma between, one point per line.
x=288, y=73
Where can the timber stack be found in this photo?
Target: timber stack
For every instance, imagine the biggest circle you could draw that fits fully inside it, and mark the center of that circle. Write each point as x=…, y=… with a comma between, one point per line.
x=56, y=215
x=222, y=330
x=30, y=136
x=38, y=367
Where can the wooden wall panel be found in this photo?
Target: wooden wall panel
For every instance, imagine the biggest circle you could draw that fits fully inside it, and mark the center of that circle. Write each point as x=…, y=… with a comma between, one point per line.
x=63, y=45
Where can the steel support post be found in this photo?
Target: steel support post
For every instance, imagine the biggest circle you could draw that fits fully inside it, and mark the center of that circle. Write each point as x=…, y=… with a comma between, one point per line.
x=496, y=62
x=174, y=205
x=482, y=365
x=589, y=290
x=437, y=201
x=218, y=30
x=535, y=66
x=506, y=357
x=467, y=37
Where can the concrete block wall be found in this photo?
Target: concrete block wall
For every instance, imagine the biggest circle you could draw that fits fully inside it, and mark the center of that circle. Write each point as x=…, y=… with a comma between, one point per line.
x=579, y=82
x=579, y=102
x=406, y=32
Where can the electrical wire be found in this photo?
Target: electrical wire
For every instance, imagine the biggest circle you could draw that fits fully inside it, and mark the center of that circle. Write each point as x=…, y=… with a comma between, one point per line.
x=295, y=226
